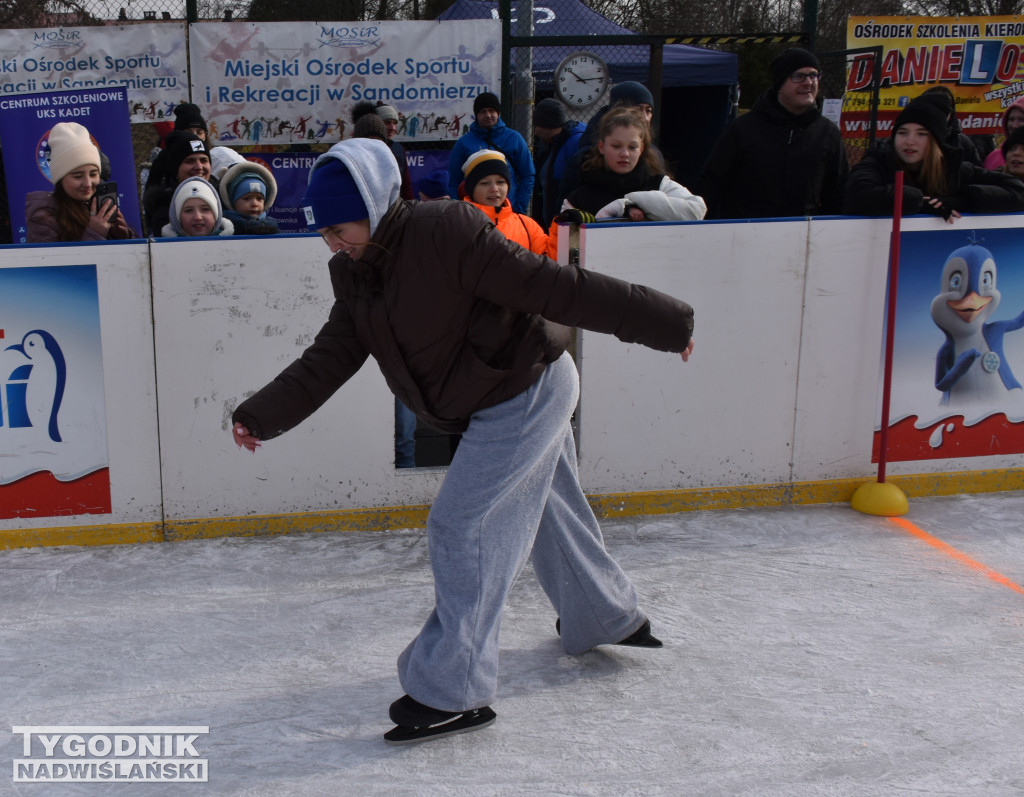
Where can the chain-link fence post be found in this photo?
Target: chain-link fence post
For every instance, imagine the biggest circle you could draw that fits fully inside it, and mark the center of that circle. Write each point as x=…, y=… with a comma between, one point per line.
x=523, y=84
x=860, y=105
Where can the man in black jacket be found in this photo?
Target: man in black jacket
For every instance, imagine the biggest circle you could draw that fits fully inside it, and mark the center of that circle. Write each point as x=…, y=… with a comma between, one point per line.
x=782, y=158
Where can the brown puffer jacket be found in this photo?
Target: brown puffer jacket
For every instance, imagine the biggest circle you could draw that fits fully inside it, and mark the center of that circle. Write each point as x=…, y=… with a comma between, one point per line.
x=458, y=317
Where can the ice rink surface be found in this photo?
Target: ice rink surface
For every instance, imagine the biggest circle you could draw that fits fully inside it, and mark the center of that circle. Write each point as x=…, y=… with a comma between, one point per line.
x=809, y=651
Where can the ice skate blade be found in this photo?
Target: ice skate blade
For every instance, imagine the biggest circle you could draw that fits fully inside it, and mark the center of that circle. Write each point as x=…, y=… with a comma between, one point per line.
x=461, y=723
x=641, y=638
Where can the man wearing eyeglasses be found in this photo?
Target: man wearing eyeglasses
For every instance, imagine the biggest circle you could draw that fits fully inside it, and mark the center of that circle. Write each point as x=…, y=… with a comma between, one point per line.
x=782, y=158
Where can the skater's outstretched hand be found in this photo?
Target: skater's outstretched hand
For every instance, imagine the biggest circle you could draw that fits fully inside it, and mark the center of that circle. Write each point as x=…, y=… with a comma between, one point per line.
x=685, y=353
x=243, y=439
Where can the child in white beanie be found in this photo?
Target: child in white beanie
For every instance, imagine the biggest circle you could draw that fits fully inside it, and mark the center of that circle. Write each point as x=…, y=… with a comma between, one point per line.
x=71, y=211
x=196, y=211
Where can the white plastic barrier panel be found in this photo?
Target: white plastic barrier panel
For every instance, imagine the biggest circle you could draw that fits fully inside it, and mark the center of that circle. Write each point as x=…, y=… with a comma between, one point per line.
x=838, y=406
x=841, y=348
x=650, y=421
x=783, y=385
x=160, y=341
x=229, y=316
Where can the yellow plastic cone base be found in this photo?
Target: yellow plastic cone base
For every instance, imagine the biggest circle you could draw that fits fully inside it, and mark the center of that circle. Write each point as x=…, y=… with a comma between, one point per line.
x=880, y=498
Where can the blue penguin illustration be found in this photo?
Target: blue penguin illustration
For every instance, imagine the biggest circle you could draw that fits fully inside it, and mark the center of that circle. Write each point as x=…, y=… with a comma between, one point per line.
x=42, y=395
x=971, y=364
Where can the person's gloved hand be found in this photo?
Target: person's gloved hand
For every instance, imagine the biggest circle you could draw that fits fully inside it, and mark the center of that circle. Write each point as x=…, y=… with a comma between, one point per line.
x=938, y=206
x=575, y=216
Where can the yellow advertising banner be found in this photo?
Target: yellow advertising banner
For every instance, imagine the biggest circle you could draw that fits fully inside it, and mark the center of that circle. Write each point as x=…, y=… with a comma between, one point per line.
x=979, y=59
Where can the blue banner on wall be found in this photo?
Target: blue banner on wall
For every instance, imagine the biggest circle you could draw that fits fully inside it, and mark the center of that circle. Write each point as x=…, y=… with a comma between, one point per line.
x=25, y=124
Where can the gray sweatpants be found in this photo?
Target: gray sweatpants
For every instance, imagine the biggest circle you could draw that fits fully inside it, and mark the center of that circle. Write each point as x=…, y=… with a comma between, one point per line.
x=513, y=491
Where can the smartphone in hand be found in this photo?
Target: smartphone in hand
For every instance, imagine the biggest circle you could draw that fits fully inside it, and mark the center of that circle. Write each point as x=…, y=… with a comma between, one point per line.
x=106, y=192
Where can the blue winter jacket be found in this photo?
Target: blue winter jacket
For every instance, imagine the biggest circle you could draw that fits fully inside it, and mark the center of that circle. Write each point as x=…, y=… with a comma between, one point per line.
x=508, y=142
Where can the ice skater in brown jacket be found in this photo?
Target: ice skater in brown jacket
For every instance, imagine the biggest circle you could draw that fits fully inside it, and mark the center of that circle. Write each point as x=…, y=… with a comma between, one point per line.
x=469, y=330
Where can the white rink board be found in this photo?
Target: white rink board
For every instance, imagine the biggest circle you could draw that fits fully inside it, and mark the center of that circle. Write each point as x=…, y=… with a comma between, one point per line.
x=649, y=421
x=848, y=262
x=126, y=334
x=229, y=316
x=782, y=386
x=841, y=359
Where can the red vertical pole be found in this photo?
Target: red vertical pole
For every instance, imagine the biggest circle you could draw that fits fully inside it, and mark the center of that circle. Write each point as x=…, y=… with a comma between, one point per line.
x=890, y=323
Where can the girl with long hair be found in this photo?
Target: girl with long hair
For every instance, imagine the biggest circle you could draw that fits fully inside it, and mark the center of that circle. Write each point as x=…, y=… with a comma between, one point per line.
x=72, y=212
x=624, y=176
x=937, y=179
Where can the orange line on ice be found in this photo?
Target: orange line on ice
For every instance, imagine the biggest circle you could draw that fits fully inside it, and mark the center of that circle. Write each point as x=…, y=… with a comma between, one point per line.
x=961, y=557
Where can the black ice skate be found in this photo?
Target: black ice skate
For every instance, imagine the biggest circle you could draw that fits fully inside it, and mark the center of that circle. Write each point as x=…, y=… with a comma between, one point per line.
x=418, y=723
x=641, y=638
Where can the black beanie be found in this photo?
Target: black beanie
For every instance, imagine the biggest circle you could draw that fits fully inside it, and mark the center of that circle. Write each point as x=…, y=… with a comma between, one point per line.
x=361, y=109
x=928, y=113
x=630, y=93
x=549, y=113
x=180, y=145
x=941, y=99
x=486, y=100
x=789, y=62
x=188, y=115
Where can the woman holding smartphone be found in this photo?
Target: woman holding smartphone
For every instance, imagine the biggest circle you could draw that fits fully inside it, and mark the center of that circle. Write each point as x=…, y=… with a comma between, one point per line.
x=72, y=211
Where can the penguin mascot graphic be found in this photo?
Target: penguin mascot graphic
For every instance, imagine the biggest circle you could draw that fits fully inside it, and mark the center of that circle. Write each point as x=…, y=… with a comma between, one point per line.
x=37, y=387
x=971, y=366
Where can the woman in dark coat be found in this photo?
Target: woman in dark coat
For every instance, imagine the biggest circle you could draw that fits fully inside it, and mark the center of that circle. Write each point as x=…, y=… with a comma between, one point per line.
x=937, y=180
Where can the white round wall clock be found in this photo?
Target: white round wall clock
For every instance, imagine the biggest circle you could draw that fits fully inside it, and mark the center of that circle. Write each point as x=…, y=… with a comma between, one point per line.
x=581, y=79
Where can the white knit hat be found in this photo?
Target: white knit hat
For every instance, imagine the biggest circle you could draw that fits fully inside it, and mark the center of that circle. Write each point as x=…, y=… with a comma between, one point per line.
x=194, y=188
x=221, y=159
x=70, y=148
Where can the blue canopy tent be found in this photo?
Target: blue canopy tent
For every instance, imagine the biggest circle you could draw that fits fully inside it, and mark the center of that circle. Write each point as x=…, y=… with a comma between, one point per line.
x=697, y=85
x=682, y=65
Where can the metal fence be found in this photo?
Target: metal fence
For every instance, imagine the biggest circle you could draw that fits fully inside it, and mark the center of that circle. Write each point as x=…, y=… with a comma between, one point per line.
x=860, y=103
x=50, y=13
